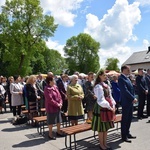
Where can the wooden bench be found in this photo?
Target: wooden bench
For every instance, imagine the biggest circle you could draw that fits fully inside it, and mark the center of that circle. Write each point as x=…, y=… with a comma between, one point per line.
x=23, y=107
x=65, y=121
x=25, y=112
x=40, y=121
x=118, y=120
x=42, y=111
x=73, y=130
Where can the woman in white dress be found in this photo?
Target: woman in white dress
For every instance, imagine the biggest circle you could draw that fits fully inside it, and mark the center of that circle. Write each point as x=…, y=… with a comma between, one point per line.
x=16, y=90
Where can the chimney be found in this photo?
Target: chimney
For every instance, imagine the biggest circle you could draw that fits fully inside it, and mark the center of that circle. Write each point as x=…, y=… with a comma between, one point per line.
x=148, y=50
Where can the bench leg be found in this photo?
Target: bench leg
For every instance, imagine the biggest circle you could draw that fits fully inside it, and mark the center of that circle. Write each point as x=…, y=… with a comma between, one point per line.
x=38, y=128
x=41, y=128
x=94, y=135
x=117, y=126
x=75, y=141
x=70, y=141
x=66, y=141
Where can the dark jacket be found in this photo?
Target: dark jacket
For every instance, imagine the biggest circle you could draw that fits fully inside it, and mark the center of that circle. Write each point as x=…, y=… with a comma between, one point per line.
x=61, y=88
x=147, y=78
x=30, y=93
x=141, y=84
x=115, y=91
x=126, y=91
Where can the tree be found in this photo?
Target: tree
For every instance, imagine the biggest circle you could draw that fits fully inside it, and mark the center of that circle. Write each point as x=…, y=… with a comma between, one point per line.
x=23, y=29
x=3, y=65
x=49, y=60
x=112, y=64
x=82, y=53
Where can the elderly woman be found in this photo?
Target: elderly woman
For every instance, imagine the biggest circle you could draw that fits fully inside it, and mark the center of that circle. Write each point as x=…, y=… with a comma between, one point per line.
x=53, y=103
x=104, y=109
x=75, y=96
x=16, y=90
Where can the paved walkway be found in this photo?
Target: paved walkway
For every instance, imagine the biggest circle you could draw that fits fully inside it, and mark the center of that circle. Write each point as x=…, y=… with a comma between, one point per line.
x=25, y=137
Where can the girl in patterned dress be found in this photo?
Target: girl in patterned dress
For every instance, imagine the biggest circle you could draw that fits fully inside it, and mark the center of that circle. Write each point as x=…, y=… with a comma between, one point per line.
x=103, y=93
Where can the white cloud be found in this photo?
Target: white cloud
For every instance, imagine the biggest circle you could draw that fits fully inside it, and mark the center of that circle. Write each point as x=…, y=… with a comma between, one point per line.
x=62, y=10
x=121, y=53
x=56, y=46
x=115, y=29
x=2, y=2
x=146, y=43
x=143, y=2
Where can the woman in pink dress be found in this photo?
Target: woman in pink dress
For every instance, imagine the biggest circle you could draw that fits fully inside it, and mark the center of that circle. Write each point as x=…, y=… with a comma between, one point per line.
x=53, y=103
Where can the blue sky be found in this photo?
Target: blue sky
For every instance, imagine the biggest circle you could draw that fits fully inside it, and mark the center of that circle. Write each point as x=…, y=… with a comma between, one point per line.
x=121, y=26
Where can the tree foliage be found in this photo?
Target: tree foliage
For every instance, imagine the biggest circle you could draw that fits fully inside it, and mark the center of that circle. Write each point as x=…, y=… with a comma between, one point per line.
x=23, y=29
x=112, y=64
x=49, y=60
x=3, y=65
x=82, y=53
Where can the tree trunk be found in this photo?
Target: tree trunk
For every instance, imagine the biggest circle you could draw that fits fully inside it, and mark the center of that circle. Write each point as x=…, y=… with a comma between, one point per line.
x=21, y=63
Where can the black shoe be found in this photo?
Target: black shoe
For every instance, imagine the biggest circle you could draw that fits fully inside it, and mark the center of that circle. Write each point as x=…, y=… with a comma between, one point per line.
x=140, y=118
x=144, y=116
x=109, y=148
x=59, y=135
x=131, y=137
x=1, y=112
x=102, y=148
x=52, y=138
x=126, y=140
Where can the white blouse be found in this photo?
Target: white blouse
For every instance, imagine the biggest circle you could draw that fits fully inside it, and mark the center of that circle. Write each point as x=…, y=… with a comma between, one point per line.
x=2, y=90
x=98, y=90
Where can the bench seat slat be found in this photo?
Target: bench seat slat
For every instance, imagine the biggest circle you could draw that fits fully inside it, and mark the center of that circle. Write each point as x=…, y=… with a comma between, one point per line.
x=76, y=129
x=40, y=119
x=118, y=118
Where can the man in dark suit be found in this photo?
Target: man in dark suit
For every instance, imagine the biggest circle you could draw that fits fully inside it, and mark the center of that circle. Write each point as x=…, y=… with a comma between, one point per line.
x=147, y=78
x=142, y=92
x=127, y=99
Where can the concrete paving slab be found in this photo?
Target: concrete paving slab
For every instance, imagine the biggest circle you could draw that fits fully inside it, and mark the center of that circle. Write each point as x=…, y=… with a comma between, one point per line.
x=25, y=137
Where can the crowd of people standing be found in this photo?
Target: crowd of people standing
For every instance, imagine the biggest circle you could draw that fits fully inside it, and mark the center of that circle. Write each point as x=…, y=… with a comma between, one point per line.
x=98, y=95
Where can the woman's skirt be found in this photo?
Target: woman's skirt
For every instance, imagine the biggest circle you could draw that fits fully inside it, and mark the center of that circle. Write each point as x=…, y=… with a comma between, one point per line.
x=54, y=118
x=75, y=117
x=97, y=124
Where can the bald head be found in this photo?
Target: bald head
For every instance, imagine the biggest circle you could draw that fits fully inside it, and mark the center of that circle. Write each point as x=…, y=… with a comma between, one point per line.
x=50, y=74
